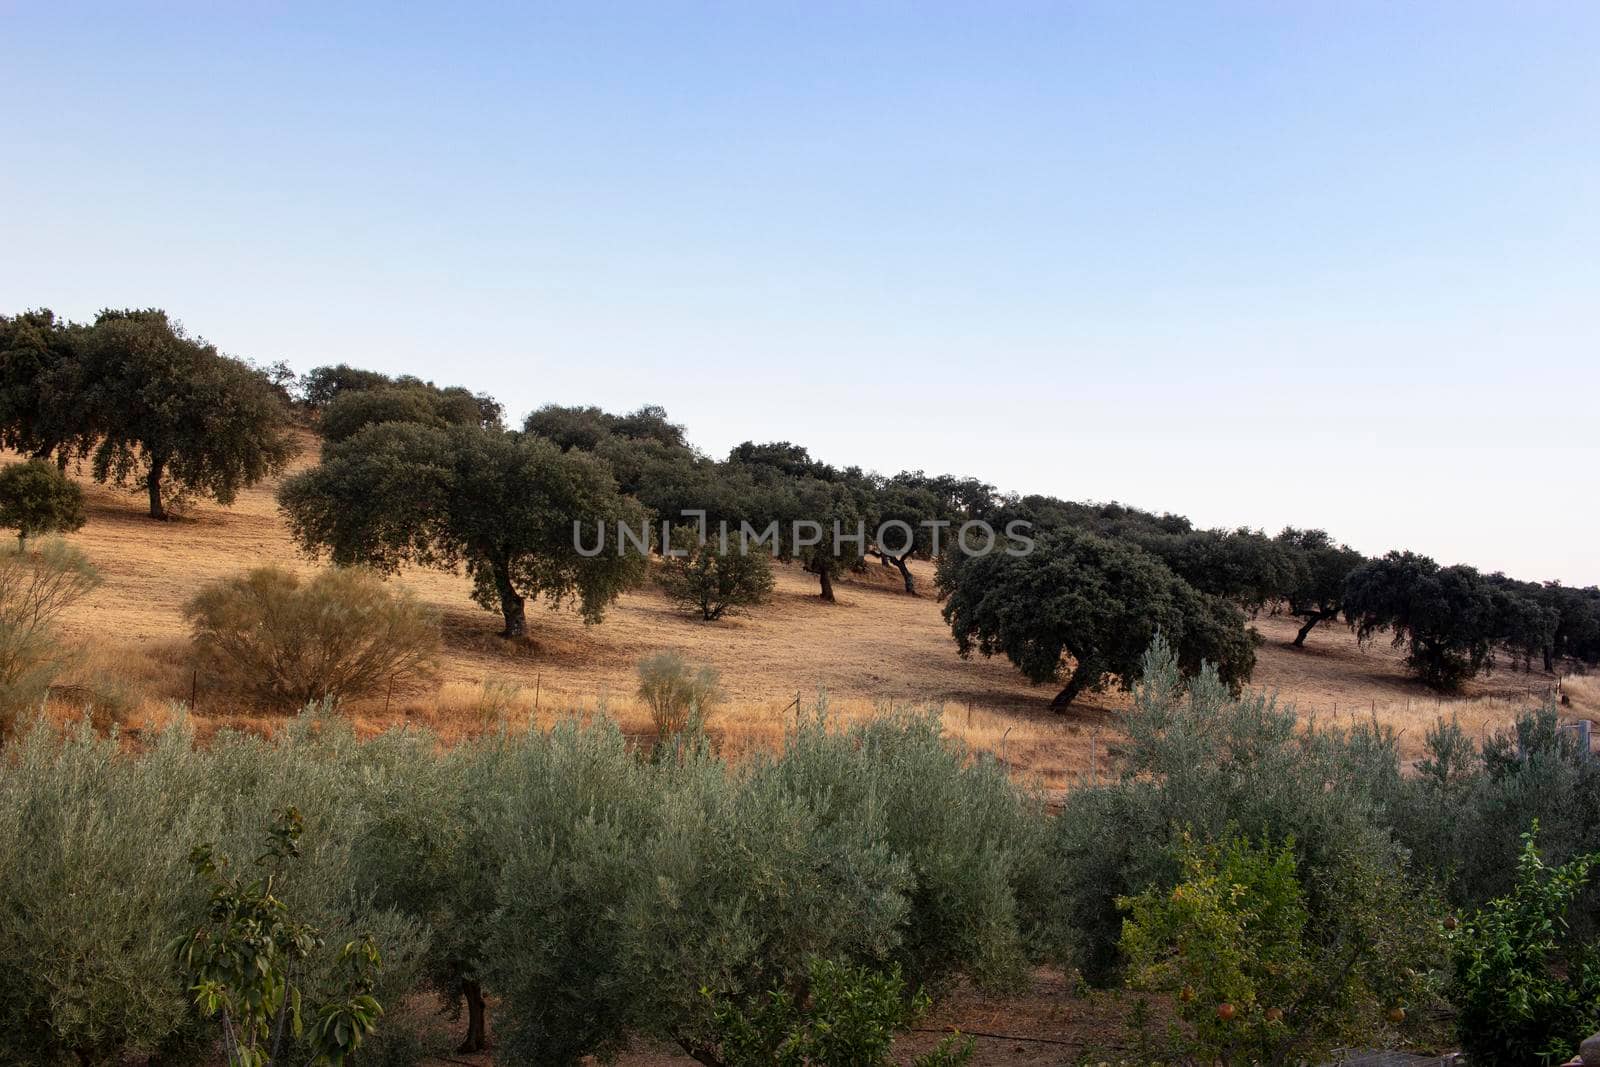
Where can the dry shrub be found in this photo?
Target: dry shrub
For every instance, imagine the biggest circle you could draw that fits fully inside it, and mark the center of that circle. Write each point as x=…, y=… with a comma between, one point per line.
x=35, y=588
x=269, y=637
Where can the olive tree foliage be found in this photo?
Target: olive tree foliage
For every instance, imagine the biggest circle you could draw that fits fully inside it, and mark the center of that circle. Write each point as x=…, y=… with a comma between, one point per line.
x=504, y=506
x=1202, y=760
x=1315, y=593
x=83, y=820
x=44, y=410
x=175, y=417
x=37, y=498
x=1444, y=617
x=1099, y=602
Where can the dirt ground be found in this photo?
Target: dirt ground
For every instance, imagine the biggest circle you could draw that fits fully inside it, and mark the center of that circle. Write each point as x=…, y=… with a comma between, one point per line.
x=1052, y=1024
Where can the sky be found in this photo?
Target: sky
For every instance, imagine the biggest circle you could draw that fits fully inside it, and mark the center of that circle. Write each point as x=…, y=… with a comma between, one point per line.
x=1313, y=263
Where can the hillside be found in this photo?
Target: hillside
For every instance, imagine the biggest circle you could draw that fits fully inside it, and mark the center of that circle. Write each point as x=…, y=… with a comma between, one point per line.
x=875, y=647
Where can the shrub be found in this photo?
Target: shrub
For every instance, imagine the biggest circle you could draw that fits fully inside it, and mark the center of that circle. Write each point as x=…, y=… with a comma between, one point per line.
x=35, y=588
x=273, y=638
x=240, y=964
x=849, y=1016
x=37, y=498
x=96, y=882
x=712, y=581
x=676, y=692
x=1199, y=757
x=1527, y=990
x=1254, y=977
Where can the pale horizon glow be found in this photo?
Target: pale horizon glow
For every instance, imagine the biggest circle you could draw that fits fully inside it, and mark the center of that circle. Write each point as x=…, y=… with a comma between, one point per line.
x=1261, y=265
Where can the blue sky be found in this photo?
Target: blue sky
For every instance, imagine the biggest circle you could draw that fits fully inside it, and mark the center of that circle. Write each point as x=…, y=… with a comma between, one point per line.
x=1311, y=263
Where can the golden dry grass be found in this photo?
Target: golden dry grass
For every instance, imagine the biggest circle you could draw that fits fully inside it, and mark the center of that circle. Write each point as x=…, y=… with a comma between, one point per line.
x=876, y=648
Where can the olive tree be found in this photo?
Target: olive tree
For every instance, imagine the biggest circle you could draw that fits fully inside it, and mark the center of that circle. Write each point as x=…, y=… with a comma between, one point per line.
x=504, y=506
x=1098, y=601
x=177, y=417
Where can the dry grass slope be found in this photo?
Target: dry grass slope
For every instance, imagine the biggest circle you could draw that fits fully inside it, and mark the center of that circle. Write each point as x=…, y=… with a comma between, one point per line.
x=875, y=648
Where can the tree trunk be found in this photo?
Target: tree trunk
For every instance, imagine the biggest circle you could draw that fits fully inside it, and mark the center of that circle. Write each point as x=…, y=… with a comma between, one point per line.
x=905, y=572
x=476, y=1040
x=1549, y=660
x=1074, y=686
x=152, y=481
x=1305, y=631
x=827, y=583
x=512, y=603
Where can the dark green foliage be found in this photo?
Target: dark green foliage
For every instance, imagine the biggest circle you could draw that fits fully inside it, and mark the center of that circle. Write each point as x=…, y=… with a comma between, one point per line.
x=353, y=412
x=1444, y=617
x=177, y=417
x=1525, y=621
x=849, y=1016
x=1527, y=989
x=36, y=498
x=1320, y=569
x=1577, y=634
x=713, y=582
x=1099, y=601
x=321, y=386
x=503, y=505
x=584, y=428
x=240, y=964
x=44, y=381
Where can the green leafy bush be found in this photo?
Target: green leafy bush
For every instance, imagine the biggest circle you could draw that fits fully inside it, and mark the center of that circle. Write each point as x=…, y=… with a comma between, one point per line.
x=241, y=961
x=37, y=498
x=1254, y=977
x=849, y=1016
x=269, y=636
x=1527, y=989
x=714, y=582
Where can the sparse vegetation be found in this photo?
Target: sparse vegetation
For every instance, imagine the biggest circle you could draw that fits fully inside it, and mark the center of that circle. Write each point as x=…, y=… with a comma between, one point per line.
x=676, y=693
x=269, y=637
x=36, y=586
